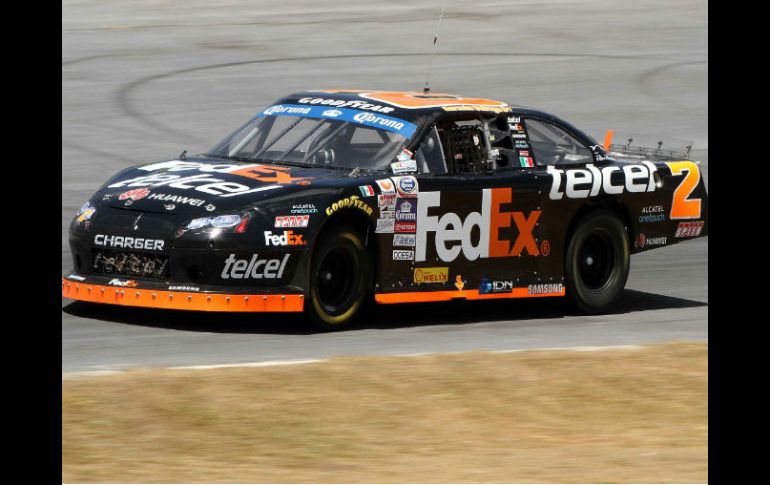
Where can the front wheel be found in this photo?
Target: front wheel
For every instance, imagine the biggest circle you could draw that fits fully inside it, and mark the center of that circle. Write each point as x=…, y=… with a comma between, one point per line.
x=597, y=262
x=339, y=274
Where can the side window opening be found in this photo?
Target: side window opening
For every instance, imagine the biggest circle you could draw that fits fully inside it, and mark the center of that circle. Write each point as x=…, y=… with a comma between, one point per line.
x=554, y=146
x=464, y=146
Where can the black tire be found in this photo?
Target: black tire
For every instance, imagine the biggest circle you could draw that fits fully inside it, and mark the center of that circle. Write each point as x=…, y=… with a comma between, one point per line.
x=340, y=271
x=597, y=262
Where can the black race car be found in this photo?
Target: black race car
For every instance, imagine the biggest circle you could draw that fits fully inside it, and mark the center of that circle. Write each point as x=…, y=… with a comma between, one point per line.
x=328, y=198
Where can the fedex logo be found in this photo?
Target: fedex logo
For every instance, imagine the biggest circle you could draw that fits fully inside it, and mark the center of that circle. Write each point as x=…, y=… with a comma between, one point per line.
x=453, y=235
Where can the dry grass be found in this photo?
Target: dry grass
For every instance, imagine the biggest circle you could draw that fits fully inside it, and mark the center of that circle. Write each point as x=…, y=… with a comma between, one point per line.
x=626, y=415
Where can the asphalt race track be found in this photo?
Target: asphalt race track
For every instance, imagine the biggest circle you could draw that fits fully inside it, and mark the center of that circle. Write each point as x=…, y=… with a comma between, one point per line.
x=143, y=81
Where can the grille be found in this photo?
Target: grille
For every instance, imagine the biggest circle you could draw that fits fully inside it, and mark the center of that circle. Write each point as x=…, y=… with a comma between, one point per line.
x=122, y=263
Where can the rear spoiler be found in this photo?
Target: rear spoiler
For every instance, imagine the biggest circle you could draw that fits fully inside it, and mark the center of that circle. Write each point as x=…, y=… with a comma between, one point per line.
x=635, y=150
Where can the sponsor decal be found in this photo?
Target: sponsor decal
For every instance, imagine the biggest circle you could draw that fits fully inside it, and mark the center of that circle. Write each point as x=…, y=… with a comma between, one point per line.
x=519, y=144
x=391, y=124
x=385, y=226
x=517, y=127
x=201, y=183
x=647, y=218
x=406, y=186
x=453, y=236
x=135, y=194
x=431, y=275
x=183, y=288
x=386, y=186
x=402, y=255
x=210, y=207
x=366, y=190
x=254, y=268
x=75, y=277
x=405, y=155
x=652, y=209
x=472, y=107
x=488, y=286
x=405, y=166
x=523, y=153
x=643, y=241
x=352, y=201
x=366, y=118
x=387, y=214
x=86, y=214
x=386, y=200
x=206, y=182
x=404, y=240
x=514, y=119
x=689, y=229
x=581, y=183
x=287, y=238
x=542, y=288
x=339, y=103
x=519, y=135
x=169, y=207
x=292, y=221
x=459, y=283
x=177, y=199
x=303, y=209
x=128, y=242
x=289, y=110
x=405, y=227
x=119, y=282
x=656, y=241
x=406, y=210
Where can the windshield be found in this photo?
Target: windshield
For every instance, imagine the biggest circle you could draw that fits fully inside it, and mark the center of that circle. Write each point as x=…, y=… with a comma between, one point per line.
x=318, y=136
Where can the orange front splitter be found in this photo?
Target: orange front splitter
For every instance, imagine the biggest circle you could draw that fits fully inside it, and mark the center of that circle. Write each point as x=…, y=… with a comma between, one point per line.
x=180, y=300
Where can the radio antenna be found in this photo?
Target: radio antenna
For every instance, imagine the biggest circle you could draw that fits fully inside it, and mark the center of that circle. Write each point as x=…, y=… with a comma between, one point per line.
x=426, y=89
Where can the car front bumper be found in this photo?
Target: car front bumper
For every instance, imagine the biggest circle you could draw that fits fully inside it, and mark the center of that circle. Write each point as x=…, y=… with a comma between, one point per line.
x=136, y=293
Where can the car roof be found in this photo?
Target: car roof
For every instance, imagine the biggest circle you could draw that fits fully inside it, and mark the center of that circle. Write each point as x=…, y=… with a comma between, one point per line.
x=406, y=103
x=417, y=106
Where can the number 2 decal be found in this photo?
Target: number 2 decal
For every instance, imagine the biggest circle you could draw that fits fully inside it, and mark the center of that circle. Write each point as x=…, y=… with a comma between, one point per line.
x=682, y=207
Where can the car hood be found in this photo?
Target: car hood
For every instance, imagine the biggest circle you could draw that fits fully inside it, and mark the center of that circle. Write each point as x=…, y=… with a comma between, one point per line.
x=201, y=186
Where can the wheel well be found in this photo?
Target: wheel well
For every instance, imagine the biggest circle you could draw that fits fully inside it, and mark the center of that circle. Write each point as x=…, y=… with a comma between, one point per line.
x=614, y=206
x=361, y=223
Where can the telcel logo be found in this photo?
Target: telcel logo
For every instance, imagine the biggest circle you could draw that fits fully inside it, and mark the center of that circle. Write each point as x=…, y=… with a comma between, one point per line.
x=589, y=182
x=453, y=235
x=255, y=268
x=287, y=238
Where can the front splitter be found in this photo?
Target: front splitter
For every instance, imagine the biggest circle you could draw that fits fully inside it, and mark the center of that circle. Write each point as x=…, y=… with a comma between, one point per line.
x=181, y=300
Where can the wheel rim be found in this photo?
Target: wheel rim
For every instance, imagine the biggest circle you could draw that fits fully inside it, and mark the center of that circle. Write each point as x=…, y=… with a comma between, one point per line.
x=335, y=281
x=596, y=261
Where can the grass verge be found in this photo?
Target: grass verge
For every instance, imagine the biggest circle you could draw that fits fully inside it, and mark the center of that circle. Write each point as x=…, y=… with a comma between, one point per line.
x=624, y=415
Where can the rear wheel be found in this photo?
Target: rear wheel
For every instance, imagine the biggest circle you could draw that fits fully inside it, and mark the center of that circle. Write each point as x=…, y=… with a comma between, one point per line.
x=339, y=278
x=597, y=262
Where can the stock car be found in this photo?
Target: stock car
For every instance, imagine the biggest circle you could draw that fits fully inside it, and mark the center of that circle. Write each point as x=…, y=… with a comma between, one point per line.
x=328, y=199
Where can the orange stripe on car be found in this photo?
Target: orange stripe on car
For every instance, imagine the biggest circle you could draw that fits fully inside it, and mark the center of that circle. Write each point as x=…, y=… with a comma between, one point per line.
x=181, y=300
x=414, y=100
x=428, y=296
